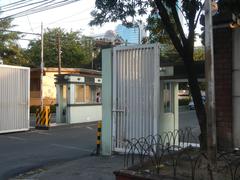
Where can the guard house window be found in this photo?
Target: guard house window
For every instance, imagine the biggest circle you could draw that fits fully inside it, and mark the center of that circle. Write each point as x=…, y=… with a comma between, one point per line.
x=167, y=97
x=93, y=94
x=79, y=93
x=98, y=95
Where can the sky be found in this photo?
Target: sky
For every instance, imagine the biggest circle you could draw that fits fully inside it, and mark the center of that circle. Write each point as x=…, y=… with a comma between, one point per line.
x=75, y=16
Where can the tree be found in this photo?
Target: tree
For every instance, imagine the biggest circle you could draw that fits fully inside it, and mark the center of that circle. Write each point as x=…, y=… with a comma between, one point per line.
x=168, y=10
x=10, y=51
x=76, y=51
x=157, y=33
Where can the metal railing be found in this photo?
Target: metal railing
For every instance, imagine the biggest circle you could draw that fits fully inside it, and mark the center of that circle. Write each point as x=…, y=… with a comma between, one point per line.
x=177, y=154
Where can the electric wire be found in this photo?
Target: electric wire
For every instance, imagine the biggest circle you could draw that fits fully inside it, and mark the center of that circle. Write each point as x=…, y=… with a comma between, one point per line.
x=23, y=6
x=46, y=5
x=15, y=3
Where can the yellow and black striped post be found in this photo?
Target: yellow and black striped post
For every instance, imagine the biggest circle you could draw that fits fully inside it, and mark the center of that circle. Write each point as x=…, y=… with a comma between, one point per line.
x=99, y=134
x=43, y=118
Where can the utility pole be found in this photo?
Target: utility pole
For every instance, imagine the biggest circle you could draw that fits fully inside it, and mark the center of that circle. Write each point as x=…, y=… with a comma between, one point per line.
x=59, y=52
x=210, y=92
x=42, y=66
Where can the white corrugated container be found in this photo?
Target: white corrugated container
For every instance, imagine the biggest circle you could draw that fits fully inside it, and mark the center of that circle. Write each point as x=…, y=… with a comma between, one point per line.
x=14, y=98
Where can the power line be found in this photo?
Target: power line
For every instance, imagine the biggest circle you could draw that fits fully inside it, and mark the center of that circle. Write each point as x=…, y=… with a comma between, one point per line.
x=53, y=22
x=46, y=5
x=32, y=8
x=15, y=3
x=20, y=32
x=22, y=6
x=69, y=16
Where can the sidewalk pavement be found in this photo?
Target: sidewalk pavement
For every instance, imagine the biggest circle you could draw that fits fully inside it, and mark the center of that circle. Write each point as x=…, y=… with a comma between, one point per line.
x=85, y=168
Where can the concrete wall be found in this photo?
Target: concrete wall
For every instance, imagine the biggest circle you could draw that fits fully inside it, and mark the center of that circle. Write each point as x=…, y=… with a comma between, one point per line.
x=49, y=89
x=85, y=113
x=236, y=87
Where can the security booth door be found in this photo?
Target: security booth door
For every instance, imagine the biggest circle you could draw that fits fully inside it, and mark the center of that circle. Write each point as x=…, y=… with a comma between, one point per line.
x=62, y=103
x=169, y=106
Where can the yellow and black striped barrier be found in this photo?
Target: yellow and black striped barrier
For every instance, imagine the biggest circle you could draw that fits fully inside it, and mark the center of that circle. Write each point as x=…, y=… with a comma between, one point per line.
x=99, y=134
x=43, y=118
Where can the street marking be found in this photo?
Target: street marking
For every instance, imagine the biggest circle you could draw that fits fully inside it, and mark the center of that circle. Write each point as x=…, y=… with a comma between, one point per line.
x=90, y=128
x=71, y=147
x=16, y=138
x=82, y=126
x=43, y=133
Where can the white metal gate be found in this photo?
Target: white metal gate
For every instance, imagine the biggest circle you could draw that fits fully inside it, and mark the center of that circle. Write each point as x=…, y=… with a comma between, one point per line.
x=14, y=98
x=136, y=92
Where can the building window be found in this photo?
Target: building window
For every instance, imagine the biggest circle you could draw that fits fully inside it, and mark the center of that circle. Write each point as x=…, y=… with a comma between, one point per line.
x=79, y=93
x=167, y=98
x=94, y=94
x=88, y=94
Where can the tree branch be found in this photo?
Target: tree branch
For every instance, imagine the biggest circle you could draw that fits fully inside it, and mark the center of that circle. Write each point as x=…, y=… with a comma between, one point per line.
x=192, y=15
x=178, y=23
x=198, y=16
x=169, y=27
x=180, y=10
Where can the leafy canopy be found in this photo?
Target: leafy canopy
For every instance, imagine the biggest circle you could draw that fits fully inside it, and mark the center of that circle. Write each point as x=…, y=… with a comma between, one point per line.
x=76, y=50
x=169, y=10
x=10, y=51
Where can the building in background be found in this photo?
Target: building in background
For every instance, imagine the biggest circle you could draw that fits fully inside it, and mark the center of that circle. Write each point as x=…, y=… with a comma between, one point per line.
x=131, y=35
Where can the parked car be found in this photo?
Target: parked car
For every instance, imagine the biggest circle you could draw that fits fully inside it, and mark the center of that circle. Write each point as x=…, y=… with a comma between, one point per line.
x=191, y=103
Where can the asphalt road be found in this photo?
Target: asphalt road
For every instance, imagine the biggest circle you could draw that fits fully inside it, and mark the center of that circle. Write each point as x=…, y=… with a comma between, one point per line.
x=188, y=119
x=21, y=152
x=24, y=151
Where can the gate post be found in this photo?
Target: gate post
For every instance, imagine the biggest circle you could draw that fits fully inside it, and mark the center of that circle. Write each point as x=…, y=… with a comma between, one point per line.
x=107, y=102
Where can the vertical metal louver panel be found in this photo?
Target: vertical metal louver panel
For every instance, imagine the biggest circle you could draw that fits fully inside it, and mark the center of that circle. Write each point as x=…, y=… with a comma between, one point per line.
x=14, y=98
x=136, y=84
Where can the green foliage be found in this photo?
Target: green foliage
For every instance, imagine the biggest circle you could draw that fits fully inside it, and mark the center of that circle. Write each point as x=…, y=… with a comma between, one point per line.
x=184, y=102
x=199, y=54
x=10, y=51
x=113, y=10
x=76, y=51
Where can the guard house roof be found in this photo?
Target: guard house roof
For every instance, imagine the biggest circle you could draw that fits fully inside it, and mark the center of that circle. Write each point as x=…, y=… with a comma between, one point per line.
x=177, y=71
x=77, y=79
x=82, y=71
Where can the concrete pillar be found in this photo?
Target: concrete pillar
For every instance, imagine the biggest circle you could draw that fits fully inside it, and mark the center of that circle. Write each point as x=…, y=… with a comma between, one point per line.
x=107, y=102
x=70, y=100
x=175, y=105
x=59, y=103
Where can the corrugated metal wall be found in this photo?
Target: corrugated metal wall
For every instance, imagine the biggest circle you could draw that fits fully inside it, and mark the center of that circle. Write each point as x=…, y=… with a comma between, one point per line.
x=136, y=92
x=14, y=98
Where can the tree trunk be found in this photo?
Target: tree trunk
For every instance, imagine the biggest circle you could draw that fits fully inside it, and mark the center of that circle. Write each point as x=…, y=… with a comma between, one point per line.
x=197, y=99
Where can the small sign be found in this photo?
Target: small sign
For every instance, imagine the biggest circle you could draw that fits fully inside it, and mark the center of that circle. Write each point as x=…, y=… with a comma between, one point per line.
x=76, y=79
x=98, y=80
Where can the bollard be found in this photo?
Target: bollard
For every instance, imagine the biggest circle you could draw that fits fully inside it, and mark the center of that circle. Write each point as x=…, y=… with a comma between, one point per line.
x=43, y=118
x=99, y=133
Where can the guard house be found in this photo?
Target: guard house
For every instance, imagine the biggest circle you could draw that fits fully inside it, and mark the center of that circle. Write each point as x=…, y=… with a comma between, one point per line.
x=78, y=98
